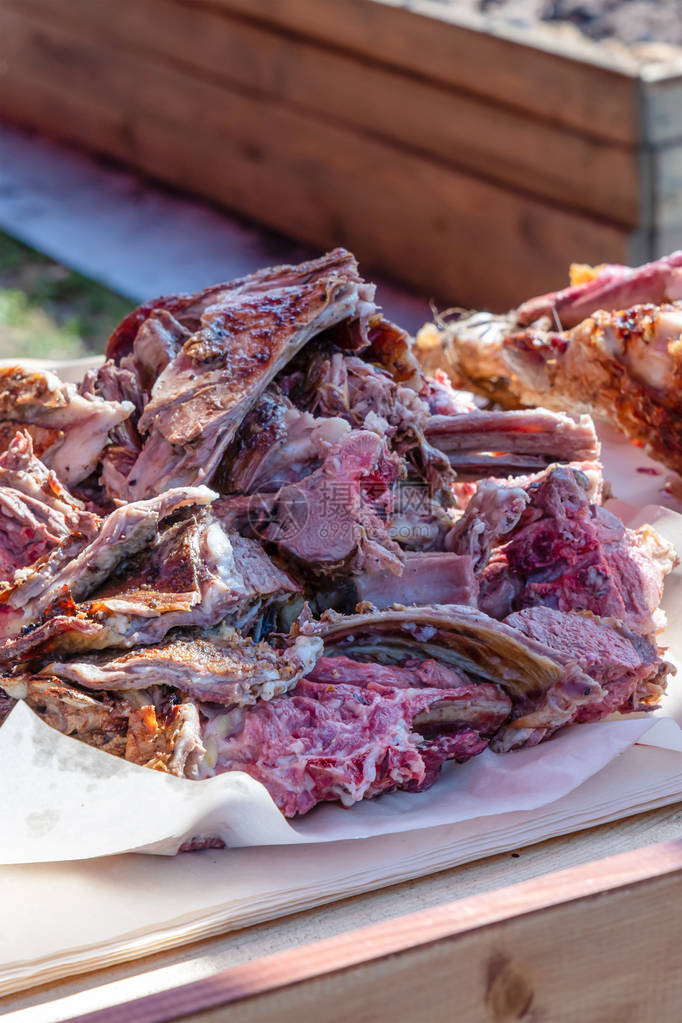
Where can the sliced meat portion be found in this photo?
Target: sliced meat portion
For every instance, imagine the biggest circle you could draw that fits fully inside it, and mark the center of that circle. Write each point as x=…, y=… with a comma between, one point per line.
x=164, y=735
x=420, y=519
x=370, y=397
x=339, y=742
x=188, y=309
x=335, y=519
x=245, y=337
x=348, y=386
x=157, y=342
x=115, y=383
x=503, y=443
x=479, y=705
x=190, y=576
x=626, y=664
x=36, y=511
x=226, y=669
x=484, y=649
x=76, y=568
x=189, y=565
x=100, y=722
x=81, y=423
x=622, y=366
x=551, y=683
x=572, y=555
x=609, y=345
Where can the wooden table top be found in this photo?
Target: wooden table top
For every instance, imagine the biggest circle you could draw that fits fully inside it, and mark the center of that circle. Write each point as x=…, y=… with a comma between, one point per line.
x=102, y=988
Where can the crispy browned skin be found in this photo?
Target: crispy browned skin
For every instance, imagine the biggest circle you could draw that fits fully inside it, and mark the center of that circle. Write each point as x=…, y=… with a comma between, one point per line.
x=243, y=334
x=166, y=740
x=623, y=366
x=98, y=721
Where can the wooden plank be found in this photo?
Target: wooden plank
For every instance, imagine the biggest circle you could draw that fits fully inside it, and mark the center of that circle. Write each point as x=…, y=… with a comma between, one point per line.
x=420, y=221
x=501, y=143
x=595, y=942
x=580, y=86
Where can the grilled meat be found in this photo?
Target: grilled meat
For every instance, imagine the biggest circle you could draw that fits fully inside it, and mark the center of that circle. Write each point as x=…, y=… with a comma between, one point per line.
x=625, y=663
x=609, y=287
x=79, y=424
x=335, y=519
x=76, y=568
x=609, y=345
x=168, y=740
x=507, y=443
x=36, y=511
x=352, y=742
x=245, y=335
x=568, y=553
x=223, y=668
x=482, y=595
x=429, y=577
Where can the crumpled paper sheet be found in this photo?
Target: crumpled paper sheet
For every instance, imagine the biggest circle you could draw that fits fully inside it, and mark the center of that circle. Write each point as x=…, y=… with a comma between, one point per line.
x=70, y=801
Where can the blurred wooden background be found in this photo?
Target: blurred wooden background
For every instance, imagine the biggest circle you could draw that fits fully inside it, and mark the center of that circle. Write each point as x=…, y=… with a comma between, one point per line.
x=468, y=165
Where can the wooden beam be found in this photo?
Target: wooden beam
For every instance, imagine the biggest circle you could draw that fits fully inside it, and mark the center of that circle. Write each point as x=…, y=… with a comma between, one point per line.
x=594, y=942
x=419, y=220
x=576, y=85
x=499, y=142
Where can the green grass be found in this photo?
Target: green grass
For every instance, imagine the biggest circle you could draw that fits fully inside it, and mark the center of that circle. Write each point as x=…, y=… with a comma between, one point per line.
x=49, y=311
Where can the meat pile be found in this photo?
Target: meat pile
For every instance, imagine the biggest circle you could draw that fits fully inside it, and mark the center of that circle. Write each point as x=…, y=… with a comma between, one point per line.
x=259, y=538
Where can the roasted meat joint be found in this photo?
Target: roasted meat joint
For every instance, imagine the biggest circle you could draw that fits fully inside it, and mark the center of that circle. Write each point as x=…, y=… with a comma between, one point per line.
x=261, y=537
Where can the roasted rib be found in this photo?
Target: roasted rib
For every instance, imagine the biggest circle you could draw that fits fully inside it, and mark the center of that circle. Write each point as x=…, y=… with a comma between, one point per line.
x=610, y=346
x=244, y=334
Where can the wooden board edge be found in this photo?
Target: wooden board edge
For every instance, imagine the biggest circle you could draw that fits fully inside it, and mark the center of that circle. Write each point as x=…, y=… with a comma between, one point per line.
x=509, y=146
x=624, y=873
x=574, y=49
x=433, y=43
